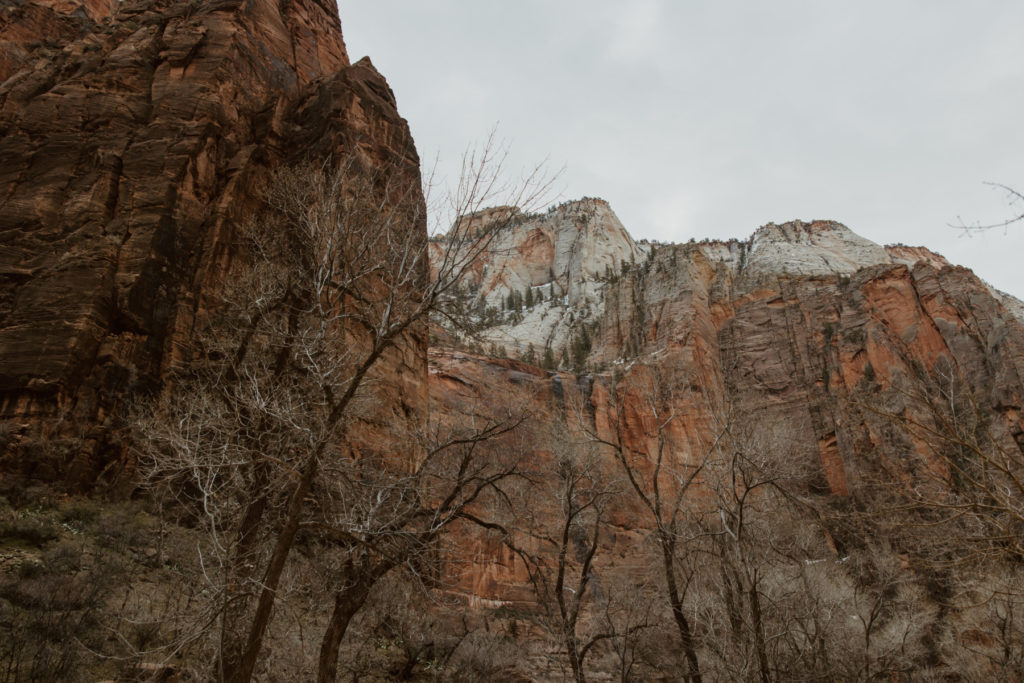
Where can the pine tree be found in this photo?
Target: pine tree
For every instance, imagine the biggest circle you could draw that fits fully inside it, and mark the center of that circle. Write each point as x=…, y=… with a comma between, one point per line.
x=531, y=355
x=581, y=345
x=549, y=358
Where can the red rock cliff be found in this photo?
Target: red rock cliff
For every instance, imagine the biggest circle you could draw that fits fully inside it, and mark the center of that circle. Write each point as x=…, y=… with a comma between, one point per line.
x=131, y=144
x=806, y=334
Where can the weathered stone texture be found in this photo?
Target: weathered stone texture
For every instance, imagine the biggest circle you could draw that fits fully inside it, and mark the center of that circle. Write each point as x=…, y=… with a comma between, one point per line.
x=488, y=574
x=563, y=256
x=817, y=336
x=803, y=338
x=130, y=148
x=812, y=330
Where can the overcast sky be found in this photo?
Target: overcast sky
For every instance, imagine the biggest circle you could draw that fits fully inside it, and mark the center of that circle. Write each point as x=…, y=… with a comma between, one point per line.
x=709, y=119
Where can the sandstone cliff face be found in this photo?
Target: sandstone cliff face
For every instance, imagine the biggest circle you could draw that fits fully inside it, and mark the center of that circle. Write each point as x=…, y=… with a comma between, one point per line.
x=806, y=334
x=564, y=257
x=489, y=574
x=809, y=325
x=28, y=27
x=130, y=148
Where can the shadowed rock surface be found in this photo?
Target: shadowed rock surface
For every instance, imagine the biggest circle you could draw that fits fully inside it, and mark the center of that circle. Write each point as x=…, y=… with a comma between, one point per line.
x=131, y=145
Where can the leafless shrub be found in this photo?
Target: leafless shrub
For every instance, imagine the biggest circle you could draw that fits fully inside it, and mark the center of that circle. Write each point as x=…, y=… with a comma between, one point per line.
x=483, y=656
x=50, y=615
x=30, y=529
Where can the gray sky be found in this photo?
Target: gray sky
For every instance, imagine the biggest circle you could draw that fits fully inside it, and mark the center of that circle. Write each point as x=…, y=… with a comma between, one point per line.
x=709, y=119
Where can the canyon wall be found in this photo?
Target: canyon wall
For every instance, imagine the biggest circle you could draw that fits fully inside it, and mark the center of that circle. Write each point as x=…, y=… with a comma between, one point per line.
x=816, y=342
x=135, y=136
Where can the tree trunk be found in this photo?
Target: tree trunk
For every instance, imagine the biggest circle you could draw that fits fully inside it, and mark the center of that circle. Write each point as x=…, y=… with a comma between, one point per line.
x=733, y=589
x=285, y=540
x=755, y=614
x=574, y=659
x=238, y=602
x=676, y=602
x=346, y=603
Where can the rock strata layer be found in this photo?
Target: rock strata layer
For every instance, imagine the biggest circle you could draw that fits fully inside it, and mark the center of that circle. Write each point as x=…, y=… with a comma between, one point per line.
x=807, y=334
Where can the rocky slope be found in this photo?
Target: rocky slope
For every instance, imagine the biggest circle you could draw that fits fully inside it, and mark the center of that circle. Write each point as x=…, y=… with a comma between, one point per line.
x=131, y=145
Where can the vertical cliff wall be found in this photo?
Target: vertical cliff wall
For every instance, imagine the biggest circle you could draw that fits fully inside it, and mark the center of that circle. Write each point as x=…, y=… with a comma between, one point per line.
x=811, y=327
x=131, y=143
x=814, y=341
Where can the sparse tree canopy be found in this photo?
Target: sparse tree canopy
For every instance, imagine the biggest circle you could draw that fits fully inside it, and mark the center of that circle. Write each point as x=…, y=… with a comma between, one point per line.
x=264, y=435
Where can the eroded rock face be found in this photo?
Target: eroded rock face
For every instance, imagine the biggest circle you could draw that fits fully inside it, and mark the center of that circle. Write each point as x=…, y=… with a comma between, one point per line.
x=563, y=258
x=565, y=250
x=818, y=248
x=806, y=325
x=807, y=334
x=93, y=9
x=130, y=148
x=560, y=406
x=811, y=327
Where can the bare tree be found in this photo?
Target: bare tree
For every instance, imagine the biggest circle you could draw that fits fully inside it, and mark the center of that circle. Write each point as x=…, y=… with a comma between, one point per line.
x=1014, y=199
x=990, y=641
x=888, y=615
x=953, y=506
x=777, y=600
x=583, y=499
x=743, y=479
x=627, y=617
x=568, y=513
x=329, y=292
x=662, y=472
x=968, y=475
x=402, y=630
x=384, y=519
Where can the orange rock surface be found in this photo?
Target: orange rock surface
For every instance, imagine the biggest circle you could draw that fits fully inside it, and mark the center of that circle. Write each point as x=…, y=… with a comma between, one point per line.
x=815, y=366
